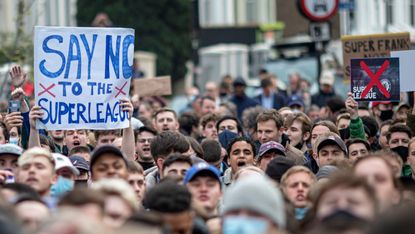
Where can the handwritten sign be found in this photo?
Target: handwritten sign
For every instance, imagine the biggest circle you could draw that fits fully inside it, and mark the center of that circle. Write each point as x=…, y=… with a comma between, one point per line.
x=81, y=74
x=157, y=86
x=375, y=79
x=372, y=46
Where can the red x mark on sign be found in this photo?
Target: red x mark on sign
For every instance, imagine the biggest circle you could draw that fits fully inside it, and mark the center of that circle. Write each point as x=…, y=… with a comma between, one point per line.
x=374, y=79
x=120, y=90
x=46, y=90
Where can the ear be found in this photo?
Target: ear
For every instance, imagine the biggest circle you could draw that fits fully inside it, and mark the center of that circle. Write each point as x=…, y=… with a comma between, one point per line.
x=159, y=163
x=306, y=136
x=54, y=178
x=315, y=156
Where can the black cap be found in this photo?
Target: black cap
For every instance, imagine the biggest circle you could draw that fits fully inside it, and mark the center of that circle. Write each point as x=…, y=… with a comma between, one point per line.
x=106, y=149
x=239, y=82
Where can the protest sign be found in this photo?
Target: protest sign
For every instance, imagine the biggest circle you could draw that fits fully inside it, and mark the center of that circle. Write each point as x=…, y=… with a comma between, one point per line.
x=81, y=74
x=157, y=86
x=375, y=79
x=406, y=69
x=371, y=46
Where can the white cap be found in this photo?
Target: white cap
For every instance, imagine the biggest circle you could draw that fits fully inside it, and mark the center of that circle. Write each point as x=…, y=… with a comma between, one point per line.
x=62, y=161
x=327, y=78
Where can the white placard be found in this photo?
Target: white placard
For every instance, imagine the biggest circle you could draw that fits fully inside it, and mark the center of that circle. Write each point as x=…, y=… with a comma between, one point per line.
x=81, y=74
x=406, y=69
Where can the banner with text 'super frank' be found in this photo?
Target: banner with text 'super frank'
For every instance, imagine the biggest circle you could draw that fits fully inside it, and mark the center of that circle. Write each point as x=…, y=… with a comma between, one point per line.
x=375, y=79
x=81, y=74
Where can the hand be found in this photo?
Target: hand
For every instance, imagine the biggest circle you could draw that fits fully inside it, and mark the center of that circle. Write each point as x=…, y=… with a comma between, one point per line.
x=135, y=99
x=35, y=113
x=18, y=76
x=127, y=106
x=4, y=174
x=14, y=119
x=19, y=94
x=351, y=106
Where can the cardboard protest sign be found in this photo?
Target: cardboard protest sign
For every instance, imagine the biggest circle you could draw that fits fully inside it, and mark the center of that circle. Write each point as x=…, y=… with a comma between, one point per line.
x=157, y=86
x=81, y=74
x=406, y=69
x=375, y=79
x=372, y=46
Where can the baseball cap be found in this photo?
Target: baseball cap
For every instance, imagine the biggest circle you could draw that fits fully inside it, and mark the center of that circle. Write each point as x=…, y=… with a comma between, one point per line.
x=10, y=149
x=239, y=82
x=79, y=162
x=271, y=145
x=295, y=100
x=332, y=140
x=198, y=168
x=327, y=78
x=106, y=149
x=62, y=161
x=375, y=104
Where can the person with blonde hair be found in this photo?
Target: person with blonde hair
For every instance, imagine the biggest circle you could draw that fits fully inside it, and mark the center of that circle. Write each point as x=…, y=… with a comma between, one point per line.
x=295, y=185
x=120, y=201
x=36, y=168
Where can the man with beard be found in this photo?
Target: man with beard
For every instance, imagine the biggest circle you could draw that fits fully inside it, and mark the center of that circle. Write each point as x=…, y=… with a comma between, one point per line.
x=58, y=137
x=143, y=137
x=166, y=120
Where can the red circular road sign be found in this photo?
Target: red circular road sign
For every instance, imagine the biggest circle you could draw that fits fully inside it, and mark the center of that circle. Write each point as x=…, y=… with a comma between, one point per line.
x=319, y=10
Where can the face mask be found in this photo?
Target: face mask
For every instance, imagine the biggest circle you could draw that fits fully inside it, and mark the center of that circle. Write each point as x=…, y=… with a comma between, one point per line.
x=14, y=140
x=300, y=213
x=344, y=133
x=81, y=183
x=385, y=115
x=343, y=216
x=244, y=225
x=402, y=151
x=299, y=145
x=61, y=187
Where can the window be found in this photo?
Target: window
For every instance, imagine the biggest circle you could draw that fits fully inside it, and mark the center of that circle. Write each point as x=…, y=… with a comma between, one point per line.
x=389, y=12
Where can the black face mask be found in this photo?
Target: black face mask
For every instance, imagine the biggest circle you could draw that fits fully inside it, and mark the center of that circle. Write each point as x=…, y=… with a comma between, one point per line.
x=401, y=151
x=299, y=145
x=81, y=183
x=344, y=133
x=385, y=115
x=285, y=140
x=341, y=217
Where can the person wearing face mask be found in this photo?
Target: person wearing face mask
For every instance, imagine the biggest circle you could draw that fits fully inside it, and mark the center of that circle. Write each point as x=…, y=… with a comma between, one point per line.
x=66, y=173
x=382, y=111
x=253, y=205
x=398, y=139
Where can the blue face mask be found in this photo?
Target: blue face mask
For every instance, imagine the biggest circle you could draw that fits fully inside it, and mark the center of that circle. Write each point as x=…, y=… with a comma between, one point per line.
x=244, y=225
x=61, y=187
x=300, y=213
x=14, y=140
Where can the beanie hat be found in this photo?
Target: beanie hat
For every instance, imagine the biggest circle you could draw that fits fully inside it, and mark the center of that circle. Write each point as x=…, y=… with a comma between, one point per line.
x=325, y=171
x=257, y=194
x=278, y=166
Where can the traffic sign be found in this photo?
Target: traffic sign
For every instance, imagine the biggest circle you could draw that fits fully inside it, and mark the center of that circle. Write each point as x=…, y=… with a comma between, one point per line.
x=318, y=10
x=320, y=31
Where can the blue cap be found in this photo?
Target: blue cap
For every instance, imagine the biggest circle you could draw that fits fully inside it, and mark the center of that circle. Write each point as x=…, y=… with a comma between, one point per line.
x=295, y=100
x=199, y=167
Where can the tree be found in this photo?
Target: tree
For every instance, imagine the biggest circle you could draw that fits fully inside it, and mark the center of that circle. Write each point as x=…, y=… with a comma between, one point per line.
x=162, y=27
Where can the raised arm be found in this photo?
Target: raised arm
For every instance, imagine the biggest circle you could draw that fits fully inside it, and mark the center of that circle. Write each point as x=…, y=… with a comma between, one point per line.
x=128, y=141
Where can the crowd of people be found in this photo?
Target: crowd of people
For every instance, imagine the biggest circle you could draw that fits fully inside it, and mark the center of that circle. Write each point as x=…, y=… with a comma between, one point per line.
x=284, y=161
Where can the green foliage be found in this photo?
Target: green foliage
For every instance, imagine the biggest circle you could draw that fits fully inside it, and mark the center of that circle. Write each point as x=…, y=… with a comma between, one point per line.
x=161, y=26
